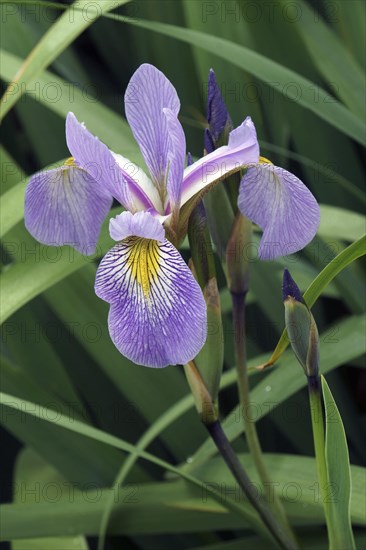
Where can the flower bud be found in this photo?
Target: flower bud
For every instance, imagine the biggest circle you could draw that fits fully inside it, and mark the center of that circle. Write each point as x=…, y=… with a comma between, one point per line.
x=218, y=118
x=301, y=327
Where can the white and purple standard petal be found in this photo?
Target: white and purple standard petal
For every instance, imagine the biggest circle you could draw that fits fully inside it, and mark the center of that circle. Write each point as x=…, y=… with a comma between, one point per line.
x=282, y=206
x=157, y=311
x=242, y=149
x=147, y=94
x=141, y=224
x=176, y=160
x=104, y=166
x=65, y=206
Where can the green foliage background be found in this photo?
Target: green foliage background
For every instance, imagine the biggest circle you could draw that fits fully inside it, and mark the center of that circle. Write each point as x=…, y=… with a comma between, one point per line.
x=297, y=68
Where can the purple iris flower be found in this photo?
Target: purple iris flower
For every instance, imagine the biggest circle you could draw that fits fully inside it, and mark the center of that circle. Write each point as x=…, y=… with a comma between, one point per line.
x=157, y=312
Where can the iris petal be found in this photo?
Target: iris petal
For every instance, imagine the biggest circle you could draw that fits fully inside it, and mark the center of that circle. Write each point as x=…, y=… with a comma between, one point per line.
x=65, y=206
x=176, y=159
x=157, y=312
x=147, y=94
x=104, y=166
x=282, y=206
x=141, y=224
x=242, y=149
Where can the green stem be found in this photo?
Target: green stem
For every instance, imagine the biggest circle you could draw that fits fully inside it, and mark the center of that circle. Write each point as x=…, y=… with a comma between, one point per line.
x=238, y=300
x=317, y=420
x=222, y=443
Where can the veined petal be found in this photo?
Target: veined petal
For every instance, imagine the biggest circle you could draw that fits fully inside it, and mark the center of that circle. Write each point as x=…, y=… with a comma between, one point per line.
x=141, y=224
x=241, y=150
x=65, y=206
x=176, y=159
x=282, y=206
x=143, y=190
x=94, y=156
x=157, y=312
x=147, y=94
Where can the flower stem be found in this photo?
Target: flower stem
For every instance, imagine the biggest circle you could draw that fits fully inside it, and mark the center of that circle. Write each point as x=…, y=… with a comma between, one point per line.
x=238, y=300
x=222, y=443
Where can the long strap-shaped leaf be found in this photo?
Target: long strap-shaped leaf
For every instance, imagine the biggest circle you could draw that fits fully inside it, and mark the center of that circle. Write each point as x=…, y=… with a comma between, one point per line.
x=78, y=17
x=76, y=426
x=339, y=476
x=303, y=91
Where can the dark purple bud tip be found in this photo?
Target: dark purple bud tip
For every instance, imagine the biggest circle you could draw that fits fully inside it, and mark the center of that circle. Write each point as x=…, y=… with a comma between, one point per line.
x=217, y=115
x=189, y=159
x=290, y=288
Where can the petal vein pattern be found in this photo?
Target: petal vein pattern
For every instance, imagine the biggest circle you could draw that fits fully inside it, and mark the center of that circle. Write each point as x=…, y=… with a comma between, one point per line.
x=148, y=93
x=158, y=314
x=65, y=206
x=282, y=206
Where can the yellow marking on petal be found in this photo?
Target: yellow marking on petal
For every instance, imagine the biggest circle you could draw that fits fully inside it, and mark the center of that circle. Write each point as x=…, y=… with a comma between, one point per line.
x=70, y=162
x=143, y=261
x=263, y=160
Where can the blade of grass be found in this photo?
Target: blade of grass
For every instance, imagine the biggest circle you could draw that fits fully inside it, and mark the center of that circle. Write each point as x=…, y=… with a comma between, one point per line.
x=63, y=421
x=276, y=75
x=78, y=17
x=329, y=54
x=323, y=105
x=339, y=477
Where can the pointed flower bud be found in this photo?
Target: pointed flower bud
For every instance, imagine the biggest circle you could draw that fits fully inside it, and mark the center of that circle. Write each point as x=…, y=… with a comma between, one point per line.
x=218, y=118
x=301, y=327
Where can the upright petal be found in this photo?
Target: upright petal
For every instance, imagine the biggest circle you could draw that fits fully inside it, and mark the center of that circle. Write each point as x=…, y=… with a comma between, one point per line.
x=176, y=159
x=282, y=206
x=141, y=224
x=147, y=94
x=241, y=150
x=65, y=206
x=157, y=312
x=104, y=166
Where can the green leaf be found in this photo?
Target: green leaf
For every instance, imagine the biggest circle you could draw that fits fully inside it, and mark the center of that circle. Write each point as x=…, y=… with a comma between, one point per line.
x=85, y=460
x=11, y=174
x=22, y=407
x=339, y=476
x=339, y=223
x=12, y=206
x=329, y=54
x=32, y=471
x=340, y=262
x=138, y=508
x=311, y=96
x=102, y=121
x=78, y=17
